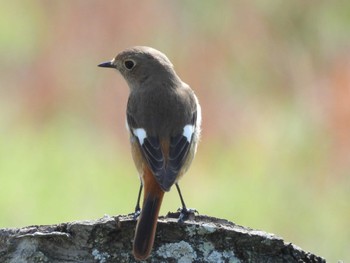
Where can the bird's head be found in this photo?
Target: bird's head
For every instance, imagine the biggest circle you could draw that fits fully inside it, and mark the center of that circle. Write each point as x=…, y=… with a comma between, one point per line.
x=140, y=64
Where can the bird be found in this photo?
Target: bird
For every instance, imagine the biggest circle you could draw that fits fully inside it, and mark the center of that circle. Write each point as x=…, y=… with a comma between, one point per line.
x=163, y=117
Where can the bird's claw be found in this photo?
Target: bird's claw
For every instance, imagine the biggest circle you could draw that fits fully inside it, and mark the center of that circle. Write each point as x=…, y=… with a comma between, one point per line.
x=186, y=213
x=136, y=214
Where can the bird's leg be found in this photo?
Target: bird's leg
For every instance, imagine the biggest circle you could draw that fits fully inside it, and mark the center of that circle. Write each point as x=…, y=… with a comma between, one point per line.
x=137, y=207
x=185, y=212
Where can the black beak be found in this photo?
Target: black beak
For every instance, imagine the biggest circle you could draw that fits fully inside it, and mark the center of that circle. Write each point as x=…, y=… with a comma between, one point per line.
x=108, y=64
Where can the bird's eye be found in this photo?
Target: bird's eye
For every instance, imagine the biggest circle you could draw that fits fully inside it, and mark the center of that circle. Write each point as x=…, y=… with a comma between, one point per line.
x=129, y=64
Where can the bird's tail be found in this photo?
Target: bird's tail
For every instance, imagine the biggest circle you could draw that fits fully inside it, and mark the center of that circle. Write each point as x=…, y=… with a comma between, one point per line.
x=147, y=222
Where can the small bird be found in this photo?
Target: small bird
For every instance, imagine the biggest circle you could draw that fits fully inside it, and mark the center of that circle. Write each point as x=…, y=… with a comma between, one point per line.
x=163, y=117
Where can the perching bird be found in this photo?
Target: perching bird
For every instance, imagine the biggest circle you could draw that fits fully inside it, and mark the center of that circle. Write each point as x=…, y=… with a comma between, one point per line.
x=163, y=118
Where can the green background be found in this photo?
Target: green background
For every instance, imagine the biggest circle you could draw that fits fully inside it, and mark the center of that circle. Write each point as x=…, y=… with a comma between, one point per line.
x=273, y=79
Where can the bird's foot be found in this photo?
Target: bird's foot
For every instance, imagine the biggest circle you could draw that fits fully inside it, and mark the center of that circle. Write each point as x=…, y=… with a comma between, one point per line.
x=186, y=214
x=135, y=214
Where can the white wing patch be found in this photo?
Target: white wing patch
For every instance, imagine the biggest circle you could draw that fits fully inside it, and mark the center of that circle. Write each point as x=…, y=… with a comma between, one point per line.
x=188, y=131
x=140, y=134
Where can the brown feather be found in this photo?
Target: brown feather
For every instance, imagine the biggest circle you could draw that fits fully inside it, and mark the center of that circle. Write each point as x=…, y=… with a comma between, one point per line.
x=147, y=223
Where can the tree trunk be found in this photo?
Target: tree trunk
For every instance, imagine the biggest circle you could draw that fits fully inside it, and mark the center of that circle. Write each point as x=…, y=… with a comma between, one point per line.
x=109, y=239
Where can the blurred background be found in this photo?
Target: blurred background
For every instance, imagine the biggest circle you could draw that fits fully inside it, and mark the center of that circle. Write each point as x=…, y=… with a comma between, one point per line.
x=273, y=79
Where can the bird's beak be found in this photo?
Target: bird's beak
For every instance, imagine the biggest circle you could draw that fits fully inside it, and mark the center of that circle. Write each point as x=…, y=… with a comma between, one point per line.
x=108, y=64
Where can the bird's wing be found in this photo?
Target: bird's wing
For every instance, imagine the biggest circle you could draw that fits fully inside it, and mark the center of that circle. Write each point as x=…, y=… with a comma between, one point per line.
x=164, y=163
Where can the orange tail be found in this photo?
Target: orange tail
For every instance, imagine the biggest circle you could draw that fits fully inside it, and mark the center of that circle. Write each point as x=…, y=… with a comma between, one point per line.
x=147, y=223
